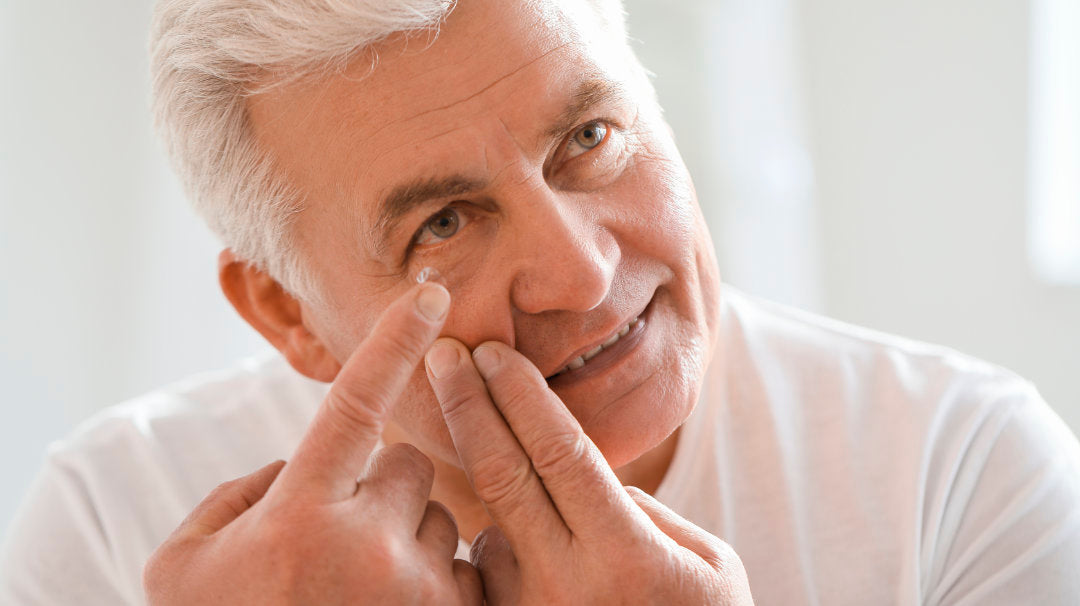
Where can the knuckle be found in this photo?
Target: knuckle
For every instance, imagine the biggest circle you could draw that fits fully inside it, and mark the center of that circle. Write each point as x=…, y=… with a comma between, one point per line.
x=440, y=514
x=410, y=457
x=499, y=477
x=516, y=391
x=455, y=404
x=359, y=410
x=721, y=556
x=561, y=456
x=221, y=491
x=489, y=544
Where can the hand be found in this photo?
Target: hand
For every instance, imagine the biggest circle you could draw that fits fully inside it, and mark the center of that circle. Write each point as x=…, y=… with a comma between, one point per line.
x=566, y=531
x=311, y=532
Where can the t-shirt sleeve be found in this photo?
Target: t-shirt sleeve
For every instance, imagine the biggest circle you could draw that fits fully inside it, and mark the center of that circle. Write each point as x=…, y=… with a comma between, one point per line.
x=1006, y=529
x=56, y=552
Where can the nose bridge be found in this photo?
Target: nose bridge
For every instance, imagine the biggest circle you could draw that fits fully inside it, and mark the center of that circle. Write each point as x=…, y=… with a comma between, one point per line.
x=565, y=260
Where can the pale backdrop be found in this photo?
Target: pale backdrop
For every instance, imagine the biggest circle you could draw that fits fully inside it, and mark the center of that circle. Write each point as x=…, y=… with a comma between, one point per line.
x=861, y=158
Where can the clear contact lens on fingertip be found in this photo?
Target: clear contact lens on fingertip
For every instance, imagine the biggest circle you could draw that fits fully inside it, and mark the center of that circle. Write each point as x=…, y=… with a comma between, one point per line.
x=429, y=274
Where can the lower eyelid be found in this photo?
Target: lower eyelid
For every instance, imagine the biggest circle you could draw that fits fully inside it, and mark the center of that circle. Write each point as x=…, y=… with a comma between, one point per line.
x=463, y=221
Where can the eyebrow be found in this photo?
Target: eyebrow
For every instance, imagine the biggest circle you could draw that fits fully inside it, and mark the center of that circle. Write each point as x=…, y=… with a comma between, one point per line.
x=406, y=197
x=587, y=95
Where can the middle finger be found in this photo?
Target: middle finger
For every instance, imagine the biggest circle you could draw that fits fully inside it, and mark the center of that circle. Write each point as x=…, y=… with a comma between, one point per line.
x=500, y=472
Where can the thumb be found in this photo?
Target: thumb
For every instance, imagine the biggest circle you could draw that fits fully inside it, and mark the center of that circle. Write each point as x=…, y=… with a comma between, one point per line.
x=230, y=499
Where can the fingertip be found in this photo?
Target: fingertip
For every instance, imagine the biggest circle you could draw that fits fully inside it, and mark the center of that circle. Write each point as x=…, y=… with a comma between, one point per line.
x=432, y=301
x=442, y=358
x=487, y=358
x=487, y=542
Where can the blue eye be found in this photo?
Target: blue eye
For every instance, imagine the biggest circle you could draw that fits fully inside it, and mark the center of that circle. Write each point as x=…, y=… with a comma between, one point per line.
x=586, y=138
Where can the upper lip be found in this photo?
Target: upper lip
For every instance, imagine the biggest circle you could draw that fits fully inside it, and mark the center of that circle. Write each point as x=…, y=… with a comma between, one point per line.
x=592, y=344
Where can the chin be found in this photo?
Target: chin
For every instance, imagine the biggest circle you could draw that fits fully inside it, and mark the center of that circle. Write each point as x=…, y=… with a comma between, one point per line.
x=639, y=421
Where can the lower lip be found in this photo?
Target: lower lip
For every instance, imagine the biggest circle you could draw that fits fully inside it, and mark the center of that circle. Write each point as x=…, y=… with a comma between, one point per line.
x=608, y=357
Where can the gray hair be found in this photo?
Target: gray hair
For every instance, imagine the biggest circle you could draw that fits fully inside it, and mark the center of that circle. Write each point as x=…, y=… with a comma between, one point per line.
x=208, y=56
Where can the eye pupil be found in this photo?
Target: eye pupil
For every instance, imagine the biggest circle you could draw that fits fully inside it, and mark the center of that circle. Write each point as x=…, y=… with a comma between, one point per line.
x=591, y=135
x=445, y=224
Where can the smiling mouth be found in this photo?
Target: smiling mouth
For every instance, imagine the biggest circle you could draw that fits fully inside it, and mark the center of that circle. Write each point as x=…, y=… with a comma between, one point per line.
x=583, y=360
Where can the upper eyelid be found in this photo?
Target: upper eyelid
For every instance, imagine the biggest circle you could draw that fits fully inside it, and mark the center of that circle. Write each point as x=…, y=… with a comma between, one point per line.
x=611, y=126
x=427, y=220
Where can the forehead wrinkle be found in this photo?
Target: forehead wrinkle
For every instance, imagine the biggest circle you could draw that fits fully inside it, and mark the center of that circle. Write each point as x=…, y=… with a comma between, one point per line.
x=474, y=95
x=367, y=168
x=595, y=89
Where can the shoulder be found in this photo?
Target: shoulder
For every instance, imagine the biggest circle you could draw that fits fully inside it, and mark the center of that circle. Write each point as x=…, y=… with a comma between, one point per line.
x=962, y=460
x=824, y=360
x=259, y=401
x=877, y=389
x=113, y=489
x=178, y=442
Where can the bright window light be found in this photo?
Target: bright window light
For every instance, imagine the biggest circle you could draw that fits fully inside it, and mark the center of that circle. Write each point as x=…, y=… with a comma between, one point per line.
x=1054, y=187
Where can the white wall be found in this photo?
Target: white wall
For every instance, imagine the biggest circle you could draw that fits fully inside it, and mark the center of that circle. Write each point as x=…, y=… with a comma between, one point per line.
x=914, y=115
x=107, y=281
x=919, y=116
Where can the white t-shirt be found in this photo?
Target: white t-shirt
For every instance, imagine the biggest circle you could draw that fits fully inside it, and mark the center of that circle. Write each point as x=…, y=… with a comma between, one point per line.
x=844, y=466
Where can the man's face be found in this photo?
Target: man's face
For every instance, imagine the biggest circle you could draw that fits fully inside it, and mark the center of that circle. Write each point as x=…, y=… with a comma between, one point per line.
x=522, y=156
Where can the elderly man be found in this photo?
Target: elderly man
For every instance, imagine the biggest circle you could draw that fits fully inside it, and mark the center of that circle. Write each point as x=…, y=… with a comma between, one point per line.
x=472, y=223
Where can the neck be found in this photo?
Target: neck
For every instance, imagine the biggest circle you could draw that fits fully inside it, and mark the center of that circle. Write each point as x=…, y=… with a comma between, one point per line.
x=452, y=489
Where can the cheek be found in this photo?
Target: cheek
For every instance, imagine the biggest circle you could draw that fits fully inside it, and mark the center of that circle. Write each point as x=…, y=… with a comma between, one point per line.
x=661, y=216
x=417, y=413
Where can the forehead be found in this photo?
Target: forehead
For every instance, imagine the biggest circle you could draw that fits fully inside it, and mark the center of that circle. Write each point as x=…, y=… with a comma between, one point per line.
x=491, y=81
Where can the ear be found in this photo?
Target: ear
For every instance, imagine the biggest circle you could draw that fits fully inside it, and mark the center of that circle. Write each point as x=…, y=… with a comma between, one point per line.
x=278, y=316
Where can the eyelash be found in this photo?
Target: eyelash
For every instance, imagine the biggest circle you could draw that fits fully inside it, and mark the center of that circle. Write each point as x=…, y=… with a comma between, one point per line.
x=609, y=127
x=463, y=219
x=605, y=127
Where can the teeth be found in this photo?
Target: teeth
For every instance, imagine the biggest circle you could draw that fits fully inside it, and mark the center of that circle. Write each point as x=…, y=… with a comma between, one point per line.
x=580, y=361
x=592, y=353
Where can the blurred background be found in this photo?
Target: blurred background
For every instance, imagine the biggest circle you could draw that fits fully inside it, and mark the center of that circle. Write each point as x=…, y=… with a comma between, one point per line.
x=909, y=166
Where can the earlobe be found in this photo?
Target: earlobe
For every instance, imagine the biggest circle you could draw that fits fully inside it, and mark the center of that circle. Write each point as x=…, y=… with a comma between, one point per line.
x=276, y=315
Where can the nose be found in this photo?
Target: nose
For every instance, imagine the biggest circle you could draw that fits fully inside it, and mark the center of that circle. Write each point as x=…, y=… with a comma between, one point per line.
x=565, y=259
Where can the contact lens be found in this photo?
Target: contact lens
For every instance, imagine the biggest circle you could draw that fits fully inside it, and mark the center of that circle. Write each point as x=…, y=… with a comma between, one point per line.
x=429, y=274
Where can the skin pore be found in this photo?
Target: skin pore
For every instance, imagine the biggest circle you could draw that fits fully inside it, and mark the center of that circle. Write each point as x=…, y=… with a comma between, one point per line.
x=521, y=154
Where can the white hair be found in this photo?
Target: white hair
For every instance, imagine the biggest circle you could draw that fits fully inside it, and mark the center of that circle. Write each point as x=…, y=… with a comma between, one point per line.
x=208, y=56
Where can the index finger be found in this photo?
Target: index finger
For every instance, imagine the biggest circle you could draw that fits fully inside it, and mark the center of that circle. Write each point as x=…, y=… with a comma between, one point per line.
x=539, y=476
x=498, y=469
x=583, y=487
x=349, y=424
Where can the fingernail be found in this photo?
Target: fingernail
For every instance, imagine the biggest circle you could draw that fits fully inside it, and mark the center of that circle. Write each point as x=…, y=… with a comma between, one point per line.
x=486, y=359
x=442, y=359
x=433, y=301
